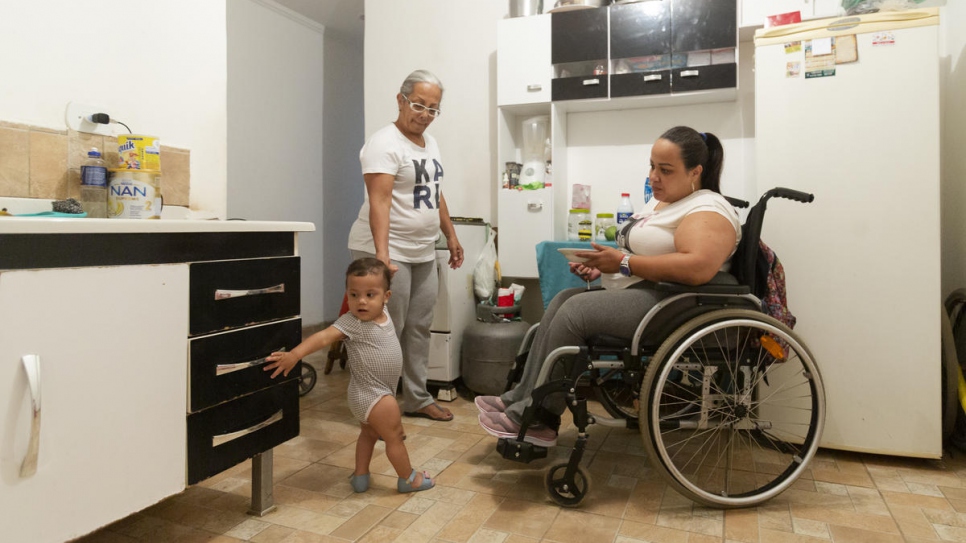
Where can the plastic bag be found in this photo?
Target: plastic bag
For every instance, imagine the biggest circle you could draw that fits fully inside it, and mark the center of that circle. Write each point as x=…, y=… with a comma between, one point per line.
x=484, y=274
x=858, y=7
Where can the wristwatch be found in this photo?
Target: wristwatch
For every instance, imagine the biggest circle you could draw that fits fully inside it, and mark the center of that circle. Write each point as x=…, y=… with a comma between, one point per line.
x=626, y=266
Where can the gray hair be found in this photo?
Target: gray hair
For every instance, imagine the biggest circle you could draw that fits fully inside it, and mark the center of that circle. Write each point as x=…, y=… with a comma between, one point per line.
x=420, y=76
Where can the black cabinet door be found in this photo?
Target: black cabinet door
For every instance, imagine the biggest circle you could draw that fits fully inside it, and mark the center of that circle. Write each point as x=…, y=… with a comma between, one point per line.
x=579, y=35
x=718, y=76
x=703, y=24
x=578, y=88
x=640, y=29
x=640, y=84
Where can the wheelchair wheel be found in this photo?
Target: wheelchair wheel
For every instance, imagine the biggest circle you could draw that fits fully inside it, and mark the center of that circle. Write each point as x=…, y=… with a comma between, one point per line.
x=307, y=379
x=563, y=491
x=734, y=408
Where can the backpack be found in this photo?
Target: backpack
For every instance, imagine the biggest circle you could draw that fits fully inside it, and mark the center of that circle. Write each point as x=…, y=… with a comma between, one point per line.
x=770, y=285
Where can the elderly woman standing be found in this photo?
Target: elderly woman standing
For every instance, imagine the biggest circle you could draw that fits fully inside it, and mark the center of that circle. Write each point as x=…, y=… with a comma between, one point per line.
x=401, y=217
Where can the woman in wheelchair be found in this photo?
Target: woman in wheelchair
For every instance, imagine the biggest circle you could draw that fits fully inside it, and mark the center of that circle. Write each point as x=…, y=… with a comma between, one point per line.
x=688, y=238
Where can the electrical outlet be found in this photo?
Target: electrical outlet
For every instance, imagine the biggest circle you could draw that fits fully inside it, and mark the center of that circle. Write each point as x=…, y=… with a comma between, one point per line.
x=75, y=117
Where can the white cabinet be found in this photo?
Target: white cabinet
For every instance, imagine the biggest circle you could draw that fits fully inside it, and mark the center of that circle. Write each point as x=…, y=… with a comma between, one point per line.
x=527, y=219
x=111, y=343
x=523, y=60
x=754, y=12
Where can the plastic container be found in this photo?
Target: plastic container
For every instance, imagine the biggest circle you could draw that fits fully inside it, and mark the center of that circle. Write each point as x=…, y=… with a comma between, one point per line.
x=625, y=209
x=93, y=189
x=579, y=219
x=601, y=224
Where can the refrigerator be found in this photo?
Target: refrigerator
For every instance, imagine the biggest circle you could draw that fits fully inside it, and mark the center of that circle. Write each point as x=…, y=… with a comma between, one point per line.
x=860, y=130
x=455, y=305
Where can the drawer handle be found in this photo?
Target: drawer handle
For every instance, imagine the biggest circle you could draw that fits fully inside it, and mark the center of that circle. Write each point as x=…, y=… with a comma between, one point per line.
x=689, y=73
x=231, y=436
x=31, y=364
x=588, y=82
x=652, y=77
x=224, y=294
x=534, y=88
x=534, y=206
x=222, y=369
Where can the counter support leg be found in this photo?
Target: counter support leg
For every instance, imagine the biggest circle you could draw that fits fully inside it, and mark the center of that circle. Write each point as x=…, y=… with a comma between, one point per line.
x=263, y=499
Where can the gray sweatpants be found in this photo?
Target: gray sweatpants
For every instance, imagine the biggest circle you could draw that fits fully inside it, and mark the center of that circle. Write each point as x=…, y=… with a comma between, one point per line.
x=414, y=290
x=573, y=315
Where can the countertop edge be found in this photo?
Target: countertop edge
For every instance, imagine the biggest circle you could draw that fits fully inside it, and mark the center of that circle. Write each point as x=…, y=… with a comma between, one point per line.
x=50, y=225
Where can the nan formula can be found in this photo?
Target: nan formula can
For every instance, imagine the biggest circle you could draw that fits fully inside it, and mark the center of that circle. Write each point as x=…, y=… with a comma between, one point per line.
x=139, y=152
x=134, y=194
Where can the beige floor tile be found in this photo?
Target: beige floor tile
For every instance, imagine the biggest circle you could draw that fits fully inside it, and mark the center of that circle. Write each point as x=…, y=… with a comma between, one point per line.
x=774, y=536
x=637, y=531
x=521, y=517
x=741, y=525
x=848, y=534
x=578, y=527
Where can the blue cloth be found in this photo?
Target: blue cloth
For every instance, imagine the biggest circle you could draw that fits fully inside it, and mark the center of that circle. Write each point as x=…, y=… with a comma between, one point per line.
x=553, y=269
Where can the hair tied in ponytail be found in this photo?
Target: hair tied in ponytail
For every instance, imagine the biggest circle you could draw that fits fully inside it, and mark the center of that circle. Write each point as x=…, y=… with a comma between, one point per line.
x=704, y=136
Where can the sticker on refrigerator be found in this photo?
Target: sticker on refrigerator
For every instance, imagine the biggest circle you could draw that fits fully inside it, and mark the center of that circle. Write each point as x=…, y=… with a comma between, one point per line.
x=819, y=58
x=846, y=50
x=883, y=38
x=793, y=69
x=793, y=47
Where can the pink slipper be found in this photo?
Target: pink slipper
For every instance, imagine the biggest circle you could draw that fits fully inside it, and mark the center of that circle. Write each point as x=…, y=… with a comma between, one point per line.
x=500, y=425
x=489, y=404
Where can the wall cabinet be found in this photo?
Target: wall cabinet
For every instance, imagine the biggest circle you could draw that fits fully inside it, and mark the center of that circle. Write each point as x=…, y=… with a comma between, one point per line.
x=523, y=53
x=624, y=56
x=755, y=12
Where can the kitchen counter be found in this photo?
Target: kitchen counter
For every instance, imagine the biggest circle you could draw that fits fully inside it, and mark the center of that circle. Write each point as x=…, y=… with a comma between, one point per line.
x=51, y=225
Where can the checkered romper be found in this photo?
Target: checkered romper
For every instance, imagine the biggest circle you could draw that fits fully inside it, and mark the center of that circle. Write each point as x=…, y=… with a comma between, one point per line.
x=375, y=361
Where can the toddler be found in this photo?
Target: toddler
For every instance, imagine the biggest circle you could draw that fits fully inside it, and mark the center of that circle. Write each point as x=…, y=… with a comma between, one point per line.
x=375, y=362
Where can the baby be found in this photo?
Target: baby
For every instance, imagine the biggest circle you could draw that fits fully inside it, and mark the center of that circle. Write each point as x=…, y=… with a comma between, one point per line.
x=375, y=362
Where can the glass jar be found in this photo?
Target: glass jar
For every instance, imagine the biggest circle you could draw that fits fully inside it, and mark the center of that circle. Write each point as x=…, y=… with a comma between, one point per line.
x=579, y=219
x=603, y=222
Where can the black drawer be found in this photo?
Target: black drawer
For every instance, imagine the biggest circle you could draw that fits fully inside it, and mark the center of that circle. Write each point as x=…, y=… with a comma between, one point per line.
x=240, y=292
x=718, y=76
x=578, y=88
x=640, y=84
x=224, y=435
x=226, y=366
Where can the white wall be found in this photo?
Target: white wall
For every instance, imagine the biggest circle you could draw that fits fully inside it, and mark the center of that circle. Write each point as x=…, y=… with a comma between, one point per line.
x=953, y=194
x=456, y=40
x=159, y=67
x=275, y=129
x=344, y=188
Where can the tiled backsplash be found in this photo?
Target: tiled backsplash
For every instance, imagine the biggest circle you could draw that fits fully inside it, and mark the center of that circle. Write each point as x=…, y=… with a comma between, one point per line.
x=38, y=162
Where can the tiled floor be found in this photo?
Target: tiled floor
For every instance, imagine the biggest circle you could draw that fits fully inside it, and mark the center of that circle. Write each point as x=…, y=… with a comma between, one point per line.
x=481, y=498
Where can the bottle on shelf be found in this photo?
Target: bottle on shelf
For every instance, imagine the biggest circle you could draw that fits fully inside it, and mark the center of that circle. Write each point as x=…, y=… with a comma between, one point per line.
x=625, y=209
x=93, y=189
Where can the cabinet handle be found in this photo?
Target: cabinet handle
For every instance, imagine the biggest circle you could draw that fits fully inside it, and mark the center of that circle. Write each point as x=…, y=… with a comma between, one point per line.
x=652, y=77
x=689, y=73
x=588, y=82
x=534, y=206
x=222, y=369
x=31, y=364
x=231, y=436
x=534, y=88
x=224, y=294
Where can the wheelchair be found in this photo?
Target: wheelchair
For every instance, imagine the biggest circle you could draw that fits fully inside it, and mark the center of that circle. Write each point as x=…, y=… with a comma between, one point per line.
x=729, y=401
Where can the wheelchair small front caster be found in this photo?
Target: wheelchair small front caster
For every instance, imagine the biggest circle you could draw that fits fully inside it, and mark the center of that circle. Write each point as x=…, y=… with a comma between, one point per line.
x=307, y=379
x=565, y=492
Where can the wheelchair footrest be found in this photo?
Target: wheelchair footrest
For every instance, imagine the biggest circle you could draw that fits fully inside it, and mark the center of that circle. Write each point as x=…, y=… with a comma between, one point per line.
x=520, y=451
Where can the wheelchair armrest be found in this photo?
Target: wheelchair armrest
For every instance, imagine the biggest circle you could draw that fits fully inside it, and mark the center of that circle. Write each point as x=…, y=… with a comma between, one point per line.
x=677, y=288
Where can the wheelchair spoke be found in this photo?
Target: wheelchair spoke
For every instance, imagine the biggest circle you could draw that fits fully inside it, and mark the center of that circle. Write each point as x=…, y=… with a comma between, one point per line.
x=732, y=420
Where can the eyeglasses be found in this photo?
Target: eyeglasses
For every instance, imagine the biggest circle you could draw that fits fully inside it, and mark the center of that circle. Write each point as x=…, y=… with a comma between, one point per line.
x=419, y=108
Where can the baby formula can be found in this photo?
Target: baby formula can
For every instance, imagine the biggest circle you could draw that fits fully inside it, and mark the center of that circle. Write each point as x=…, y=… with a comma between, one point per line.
x=139, y=152
x=134, y=194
